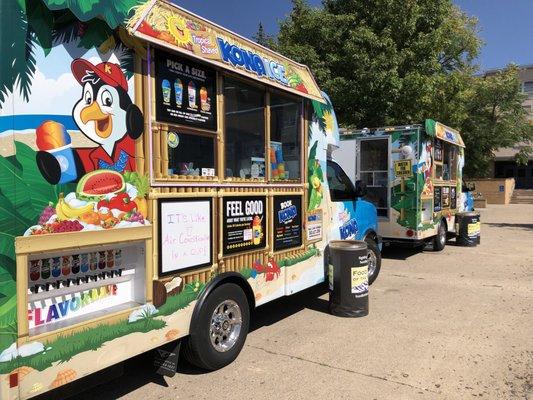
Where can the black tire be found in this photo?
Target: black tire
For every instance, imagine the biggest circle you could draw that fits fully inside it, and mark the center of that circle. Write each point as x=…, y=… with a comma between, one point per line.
x=198, y=347
x=374, y=256
x=439, y=241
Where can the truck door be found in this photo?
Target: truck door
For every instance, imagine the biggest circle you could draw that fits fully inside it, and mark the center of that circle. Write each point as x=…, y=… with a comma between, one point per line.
x=373, y=169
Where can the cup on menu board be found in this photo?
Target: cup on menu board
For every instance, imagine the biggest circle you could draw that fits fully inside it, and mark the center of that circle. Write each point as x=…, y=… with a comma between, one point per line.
x=178, y=91
x=192, y=95
x=204, y=105
x=167, y=90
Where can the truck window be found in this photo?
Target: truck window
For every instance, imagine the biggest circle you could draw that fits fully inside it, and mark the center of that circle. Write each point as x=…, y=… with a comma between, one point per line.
x=245, y=130
x=340, y=186
x=285, y=138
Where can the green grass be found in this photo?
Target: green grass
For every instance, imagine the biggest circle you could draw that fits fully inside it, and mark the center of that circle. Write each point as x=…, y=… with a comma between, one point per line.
x=65, y=347
x=190, y=292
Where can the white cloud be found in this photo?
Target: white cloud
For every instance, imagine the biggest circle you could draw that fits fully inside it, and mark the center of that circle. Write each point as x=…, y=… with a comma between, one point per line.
x=48, y=96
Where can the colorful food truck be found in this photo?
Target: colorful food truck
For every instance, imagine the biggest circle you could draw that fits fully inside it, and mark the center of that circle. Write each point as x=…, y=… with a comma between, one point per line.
x=413, y=176
x=160, y=177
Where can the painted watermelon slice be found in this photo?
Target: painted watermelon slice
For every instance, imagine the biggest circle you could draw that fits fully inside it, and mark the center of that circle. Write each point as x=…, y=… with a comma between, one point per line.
x=100, y=183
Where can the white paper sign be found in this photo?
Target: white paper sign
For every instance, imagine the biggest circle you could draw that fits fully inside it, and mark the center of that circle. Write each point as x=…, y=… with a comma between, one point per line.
x=185, y=234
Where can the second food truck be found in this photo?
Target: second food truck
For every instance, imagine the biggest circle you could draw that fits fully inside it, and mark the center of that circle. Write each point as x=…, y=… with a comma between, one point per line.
x=160, y=178
x=413, y=175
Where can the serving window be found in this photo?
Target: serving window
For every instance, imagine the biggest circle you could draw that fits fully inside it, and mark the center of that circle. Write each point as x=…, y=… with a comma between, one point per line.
x=446, y=160
x=191, y=154
x=285, y=138
x=244, y=130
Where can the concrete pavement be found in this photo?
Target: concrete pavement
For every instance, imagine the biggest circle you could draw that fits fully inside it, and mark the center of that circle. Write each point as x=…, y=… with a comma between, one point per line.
x=449, y=325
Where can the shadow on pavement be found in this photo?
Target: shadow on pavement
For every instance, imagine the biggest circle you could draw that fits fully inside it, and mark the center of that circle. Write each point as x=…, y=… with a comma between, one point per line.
x=508, y=225
x=393, y=252
x=138, y=371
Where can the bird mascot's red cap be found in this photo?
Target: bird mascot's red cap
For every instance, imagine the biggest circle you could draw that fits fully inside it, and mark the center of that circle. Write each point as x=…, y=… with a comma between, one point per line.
x=110, y=73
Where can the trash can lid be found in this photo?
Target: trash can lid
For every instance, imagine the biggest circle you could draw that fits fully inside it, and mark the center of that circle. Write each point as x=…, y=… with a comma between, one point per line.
x=348, y=245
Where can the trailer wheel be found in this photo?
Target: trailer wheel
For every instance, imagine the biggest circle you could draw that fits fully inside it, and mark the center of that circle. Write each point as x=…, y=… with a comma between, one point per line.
x=439, y=241
x=222, y=326
x=374, y=260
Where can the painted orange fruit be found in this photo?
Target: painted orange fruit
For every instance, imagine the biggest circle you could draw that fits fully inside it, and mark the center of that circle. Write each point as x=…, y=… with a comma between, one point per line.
x=172, y=334
x=63, y=377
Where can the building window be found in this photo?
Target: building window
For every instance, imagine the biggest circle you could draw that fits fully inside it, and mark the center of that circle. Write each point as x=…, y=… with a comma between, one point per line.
x=191, y=154
x=285, y=138
x=244, y=130
x=528, y=89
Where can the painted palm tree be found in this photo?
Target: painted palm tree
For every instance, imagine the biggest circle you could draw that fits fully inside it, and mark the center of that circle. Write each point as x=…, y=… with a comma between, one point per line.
x=28, y=24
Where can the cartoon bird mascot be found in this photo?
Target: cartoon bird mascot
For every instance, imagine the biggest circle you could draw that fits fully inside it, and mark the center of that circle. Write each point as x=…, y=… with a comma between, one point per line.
x=105, y=114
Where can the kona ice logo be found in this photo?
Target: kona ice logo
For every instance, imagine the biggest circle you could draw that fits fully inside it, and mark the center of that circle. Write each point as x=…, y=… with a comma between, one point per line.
x=241, y=58
x=69, y=307
x=349, y=230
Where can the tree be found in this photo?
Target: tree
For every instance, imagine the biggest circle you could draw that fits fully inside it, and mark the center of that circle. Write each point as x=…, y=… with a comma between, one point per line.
x=496, y=119
x=263, y=38
x=387, y=62
x=381, y=61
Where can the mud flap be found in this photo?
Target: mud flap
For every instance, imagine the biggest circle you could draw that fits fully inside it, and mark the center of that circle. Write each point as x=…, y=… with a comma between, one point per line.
x=166, y=359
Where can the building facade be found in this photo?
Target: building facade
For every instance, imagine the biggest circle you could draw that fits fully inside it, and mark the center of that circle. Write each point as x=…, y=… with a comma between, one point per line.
x=504, y=165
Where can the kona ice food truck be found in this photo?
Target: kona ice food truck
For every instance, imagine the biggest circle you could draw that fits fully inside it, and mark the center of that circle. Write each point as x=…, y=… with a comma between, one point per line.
x=413, y=175
x=160, y=176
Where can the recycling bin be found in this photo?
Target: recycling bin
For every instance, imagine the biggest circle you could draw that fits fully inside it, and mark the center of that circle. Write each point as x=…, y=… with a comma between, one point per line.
x=348, y=278
x=468, y=229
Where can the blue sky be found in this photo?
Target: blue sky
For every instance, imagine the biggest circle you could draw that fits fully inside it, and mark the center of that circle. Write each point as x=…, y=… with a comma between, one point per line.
x=505, y=25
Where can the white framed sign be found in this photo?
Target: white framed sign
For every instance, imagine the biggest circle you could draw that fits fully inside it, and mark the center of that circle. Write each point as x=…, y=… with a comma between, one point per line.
x=185, y=234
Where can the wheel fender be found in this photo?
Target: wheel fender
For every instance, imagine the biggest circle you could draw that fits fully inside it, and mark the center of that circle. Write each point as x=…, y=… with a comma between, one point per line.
x=226, y=277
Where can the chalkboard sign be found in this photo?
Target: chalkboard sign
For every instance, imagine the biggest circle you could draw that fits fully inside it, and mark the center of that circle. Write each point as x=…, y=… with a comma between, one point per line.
x=185, y=92
x=185, y=234
x=437, y=199
x=287, y=222
x=244, y=223
x=453, y=195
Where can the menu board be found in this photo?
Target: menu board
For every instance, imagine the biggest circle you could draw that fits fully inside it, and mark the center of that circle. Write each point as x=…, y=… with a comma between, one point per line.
x=244, y=223
x=437, y=199
x=287, y=222
x=445, y=197
x=453, y=195
x=185, y=92
x=185, y=234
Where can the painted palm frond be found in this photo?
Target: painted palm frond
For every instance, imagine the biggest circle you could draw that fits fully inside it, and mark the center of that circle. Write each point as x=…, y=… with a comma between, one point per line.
x=113, y=13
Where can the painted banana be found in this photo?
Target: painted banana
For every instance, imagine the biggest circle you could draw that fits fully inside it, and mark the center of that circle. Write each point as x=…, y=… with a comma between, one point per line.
x=64, y=211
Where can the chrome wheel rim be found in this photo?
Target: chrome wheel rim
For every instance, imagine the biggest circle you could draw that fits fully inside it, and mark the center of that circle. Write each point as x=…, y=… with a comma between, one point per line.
x=226, y=324
x=372, y=263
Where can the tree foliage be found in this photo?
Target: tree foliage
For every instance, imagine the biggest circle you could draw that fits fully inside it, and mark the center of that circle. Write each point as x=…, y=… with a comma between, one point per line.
x=386, y=62
x=495, y=119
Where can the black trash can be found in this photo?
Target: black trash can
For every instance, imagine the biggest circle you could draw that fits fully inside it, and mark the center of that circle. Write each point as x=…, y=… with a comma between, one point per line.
x=468, y=229
x=348, y=278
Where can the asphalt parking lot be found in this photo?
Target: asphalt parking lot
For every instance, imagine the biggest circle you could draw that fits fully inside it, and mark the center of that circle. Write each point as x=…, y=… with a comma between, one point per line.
x=450, y=325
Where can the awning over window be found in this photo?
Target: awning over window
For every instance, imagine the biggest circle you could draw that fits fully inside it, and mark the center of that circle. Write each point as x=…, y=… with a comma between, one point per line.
x=444, y=132
x=170, y=26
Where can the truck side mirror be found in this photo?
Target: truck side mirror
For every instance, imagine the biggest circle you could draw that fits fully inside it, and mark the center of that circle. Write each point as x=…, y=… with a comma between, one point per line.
x=360, y=189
